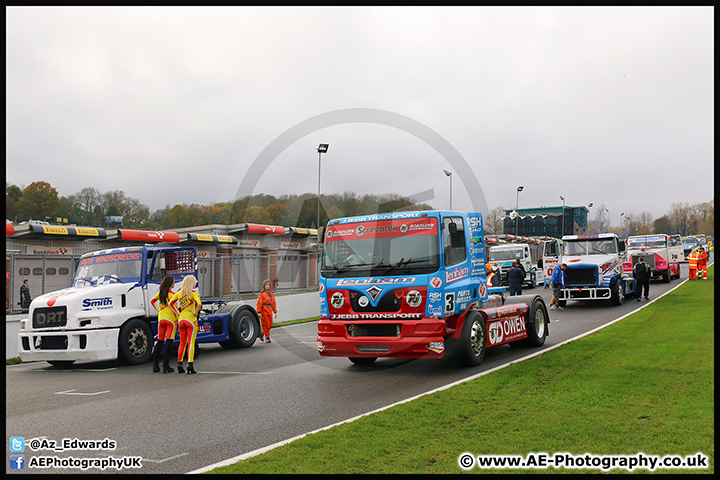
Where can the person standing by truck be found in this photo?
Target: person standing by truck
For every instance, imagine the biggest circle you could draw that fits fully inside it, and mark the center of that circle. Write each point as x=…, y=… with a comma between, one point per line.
x=167, y=323
x=186, y=303
x=641, y=273
x=557, y=282
x=492, y=278
x=25, y=297
x=265, y=307
x=515, y=278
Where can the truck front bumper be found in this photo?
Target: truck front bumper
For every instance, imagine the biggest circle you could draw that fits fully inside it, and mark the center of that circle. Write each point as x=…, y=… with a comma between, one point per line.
x=585, y=293
x=382, y=338
x=76, y=345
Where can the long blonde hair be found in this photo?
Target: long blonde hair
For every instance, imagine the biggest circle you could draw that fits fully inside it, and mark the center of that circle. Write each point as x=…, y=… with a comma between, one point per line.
x=187, y=285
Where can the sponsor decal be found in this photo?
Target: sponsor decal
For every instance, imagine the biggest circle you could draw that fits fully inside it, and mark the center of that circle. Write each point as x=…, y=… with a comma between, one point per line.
x=436, y=282
x=436, y=347
x=123, y=257
x=102, y=303
x=456, y=274
x=434, y=296
x=482, y=289
x=363, y=301
x=375, y=281
x=413, y=298
x=377, y=316
x=51, y=301
x=507, y=329
x=337, y=300
x=381, y=229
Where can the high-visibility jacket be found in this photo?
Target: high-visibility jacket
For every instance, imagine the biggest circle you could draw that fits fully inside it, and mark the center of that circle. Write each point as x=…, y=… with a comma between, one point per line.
x=492, y=280
x=702, y=258
x=693, y=260
x=266, y=304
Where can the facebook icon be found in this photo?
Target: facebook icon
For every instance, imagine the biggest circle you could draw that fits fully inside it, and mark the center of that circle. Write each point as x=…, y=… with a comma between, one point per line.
x=17, y=462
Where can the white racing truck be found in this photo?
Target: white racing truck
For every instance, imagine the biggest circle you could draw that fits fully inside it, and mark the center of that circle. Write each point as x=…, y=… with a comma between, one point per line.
x=594, y=269
x=106, y=314
x=662, y=252
x=505, y=255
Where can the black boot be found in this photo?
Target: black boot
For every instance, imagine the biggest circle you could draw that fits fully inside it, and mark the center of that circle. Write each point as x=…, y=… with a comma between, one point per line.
x=190, y=368
x=156, y=355
x=180, y=368
x=166, y=361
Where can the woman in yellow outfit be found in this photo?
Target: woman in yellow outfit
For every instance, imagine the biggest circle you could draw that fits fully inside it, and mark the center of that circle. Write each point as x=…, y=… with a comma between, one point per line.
x=167, y=323
x=186, y=303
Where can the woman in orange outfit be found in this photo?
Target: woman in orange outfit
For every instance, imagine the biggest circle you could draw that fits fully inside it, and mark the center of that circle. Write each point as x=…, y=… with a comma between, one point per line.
x=186, y=303
x=265, y=307
x=167, y=323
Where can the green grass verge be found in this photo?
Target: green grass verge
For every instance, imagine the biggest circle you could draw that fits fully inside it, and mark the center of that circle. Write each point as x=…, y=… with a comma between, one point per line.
x=644, y=384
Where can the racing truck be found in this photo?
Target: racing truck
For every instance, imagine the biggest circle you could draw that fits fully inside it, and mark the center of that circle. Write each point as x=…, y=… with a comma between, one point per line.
x=662, y=252
x=505, y=255
x=413, y=285
x=106, y=313
x=691, y=242
x=594, y=269
x=551, y=253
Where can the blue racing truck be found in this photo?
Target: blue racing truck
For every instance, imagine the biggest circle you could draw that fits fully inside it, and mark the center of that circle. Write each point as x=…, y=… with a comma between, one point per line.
x=106, y=314
x=413, y=285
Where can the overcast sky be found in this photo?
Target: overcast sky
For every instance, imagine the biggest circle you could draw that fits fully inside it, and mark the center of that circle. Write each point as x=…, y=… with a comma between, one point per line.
x=607, y=105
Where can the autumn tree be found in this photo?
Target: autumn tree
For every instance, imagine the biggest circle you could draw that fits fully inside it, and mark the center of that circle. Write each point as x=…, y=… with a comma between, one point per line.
x=39, y=199
x=493, y=224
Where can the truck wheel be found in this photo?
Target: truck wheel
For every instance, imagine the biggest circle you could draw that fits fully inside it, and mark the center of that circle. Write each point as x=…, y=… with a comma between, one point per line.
x=244, y=326
x=616, y=294
x=362, y=360
x=471, y=349
x=135, y=342
x=61, y=363
x=537, y=320
x=666, y=275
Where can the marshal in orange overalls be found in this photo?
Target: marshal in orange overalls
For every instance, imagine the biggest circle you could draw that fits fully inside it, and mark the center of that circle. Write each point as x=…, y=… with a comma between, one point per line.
x=266, y=306
x=702, y=264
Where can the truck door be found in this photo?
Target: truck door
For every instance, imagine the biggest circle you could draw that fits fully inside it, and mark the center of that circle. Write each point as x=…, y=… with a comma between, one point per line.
x=460, y=288
x=551, y=258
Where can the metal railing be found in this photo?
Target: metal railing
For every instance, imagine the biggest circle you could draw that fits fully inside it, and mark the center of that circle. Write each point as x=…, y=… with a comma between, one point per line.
x=229, y=278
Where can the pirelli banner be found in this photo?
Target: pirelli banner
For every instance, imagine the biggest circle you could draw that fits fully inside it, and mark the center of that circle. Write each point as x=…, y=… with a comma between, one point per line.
x=216, y=239
x=147, y=236
x=75, y=232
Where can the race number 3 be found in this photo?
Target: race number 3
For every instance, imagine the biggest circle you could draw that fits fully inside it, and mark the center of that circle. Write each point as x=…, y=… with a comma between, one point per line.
x=450, y=302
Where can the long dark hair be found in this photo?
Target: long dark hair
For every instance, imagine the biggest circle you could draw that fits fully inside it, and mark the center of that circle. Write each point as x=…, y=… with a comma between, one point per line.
x=165, y=286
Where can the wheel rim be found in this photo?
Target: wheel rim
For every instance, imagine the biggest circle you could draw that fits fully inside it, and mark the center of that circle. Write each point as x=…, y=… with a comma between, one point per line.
x=477, y=338
x=137, y=342
x=540, y=322
x=246, y=330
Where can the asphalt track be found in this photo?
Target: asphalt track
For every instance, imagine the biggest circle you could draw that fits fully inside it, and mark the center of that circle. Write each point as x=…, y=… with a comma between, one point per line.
x=242, y=402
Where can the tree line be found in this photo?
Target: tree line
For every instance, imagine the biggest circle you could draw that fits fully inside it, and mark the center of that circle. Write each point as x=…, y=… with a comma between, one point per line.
x=91, y=207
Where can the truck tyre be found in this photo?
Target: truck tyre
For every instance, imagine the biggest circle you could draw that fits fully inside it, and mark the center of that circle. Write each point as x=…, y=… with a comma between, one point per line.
x=471, y=348
x=244, y=326
x=666, y=275
x=135, y=342
x=362, y=360
x=61, y=363
x=616, y=293
x=537, y=319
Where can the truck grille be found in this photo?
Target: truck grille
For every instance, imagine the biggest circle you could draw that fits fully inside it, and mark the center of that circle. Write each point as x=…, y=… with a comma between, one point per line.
x=50, y=317
x=581, y=276
x=389, y=302
x=648, y=258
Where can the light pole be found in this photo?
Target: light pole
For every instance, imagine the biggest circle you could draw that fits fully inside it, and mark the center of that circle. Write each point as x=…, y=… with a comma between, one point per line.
x=608, y=212
x=322, y=148
x=517, y=205
x=449, y=174
x=563, y=216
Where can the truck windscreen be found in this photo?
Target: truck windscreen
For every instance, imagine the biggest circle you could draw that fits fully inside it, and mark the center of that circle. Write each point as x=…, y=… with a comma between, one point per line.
x=500, y=255
x=120, y=267
x=646, y=242
x=382, y=247
x=601, y=246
